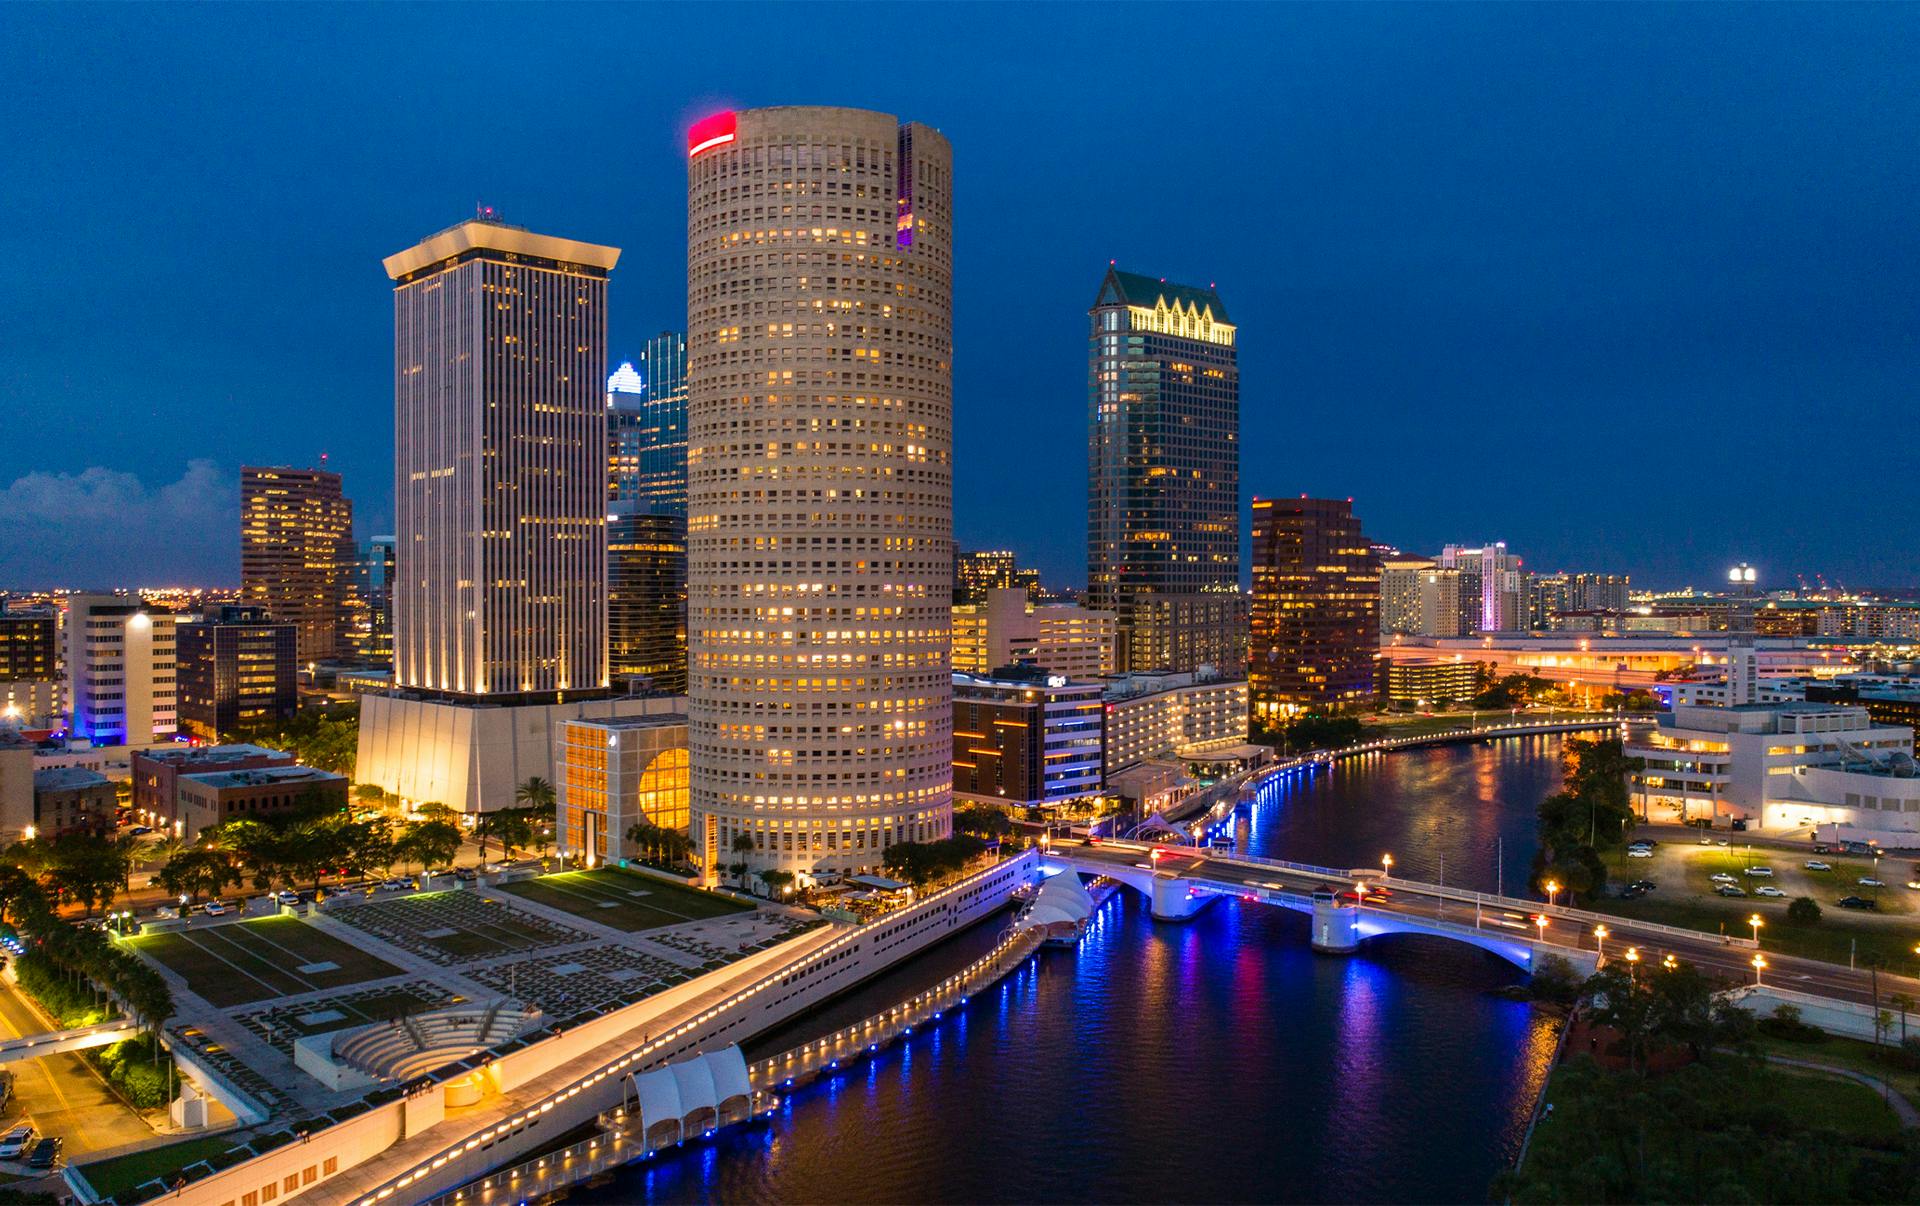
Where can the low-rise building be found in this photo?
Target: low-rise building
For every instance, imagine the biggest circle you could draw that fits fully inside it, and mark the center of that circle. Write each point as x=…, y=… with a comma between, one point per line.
x=72, y=799
x=16, y=785
x=1428, y=681
x=1755, y=763
x=1006, y=627
x=1172, y=716
x=1025, y=737
x=156, y=773
x=613, y=773
x=206, y=800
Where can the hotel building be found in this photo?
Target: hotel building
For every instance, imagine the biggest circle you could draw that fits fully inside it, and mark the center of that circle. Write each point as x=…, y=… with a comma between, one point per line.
x=1182, y=716
x=1163, y=488
x=297, y=553
x=820, y=512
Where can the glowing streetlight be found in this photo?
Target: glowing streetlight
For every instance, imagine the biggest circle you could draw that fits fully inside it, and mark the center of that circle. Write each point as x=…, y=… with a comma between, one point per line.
x=1756, y=922
x=1386, y=866
x=1600, y=933
x=1553, y=890
x=1759, y=964
x=1540, y=921
x=1359, y=892
x=1633, y=961
x=1669, y=962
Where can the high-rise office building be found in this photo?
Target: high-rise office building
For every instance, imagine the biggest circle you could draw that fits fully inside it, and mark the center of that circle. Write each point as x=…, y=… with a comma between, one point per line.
x=500, y=448
x=1163, y=502
x=237, y=668
x=647, y=598
x=297, y=553
x=121, y=671
x=1005, y=627
x=1316, y=599
x=370, y=602
x=820, y=514
x=647, y=427
x=646, y=519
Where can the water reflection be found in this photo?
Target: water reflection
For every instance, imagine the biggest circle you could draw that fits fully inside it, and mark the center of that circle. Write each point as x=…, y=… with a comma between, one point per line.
x=1217, y=1060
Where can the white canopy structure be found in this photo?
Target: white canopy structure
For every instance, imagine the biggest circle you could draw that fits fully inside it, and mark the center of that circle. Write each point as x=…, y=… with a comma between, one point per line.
x=696, y=1095
x=1060, y=909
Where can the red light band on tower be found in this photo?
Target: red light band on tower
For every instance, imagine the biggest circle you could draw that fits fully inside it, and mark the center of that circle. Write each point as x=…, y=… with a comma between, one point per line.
x=710, y=132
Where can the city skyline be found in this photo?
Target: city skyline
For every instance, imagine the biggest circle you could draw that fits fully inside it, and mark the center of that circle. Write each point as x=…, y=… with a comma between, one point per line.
x=1488, y=262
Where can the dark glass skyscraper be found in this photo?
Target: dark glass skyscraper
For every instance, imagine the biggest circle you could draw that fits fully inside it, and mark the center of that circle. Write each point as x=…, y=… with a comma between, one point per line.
x=236, y=670
x=647, y=517
x=1316, y=606
x=1163, y=474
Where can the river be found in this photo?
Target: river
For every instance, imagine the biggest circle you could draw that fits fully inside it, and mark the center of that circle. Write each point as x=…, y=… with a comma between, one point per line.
x=1218, y=1060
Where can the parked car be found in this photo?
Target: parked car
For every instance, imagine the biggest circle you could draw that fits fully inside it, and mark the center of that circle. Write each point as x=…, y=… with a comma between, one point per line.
x=1639, y=852
x=1768, y=890
x=1914, y=884
x=1868, y=881
x=1762, y=872
x=216, y=908
x=141, y=830
x=1723, y=842
x=466, y=875
x=286, y=896
x=1644, y=885
x=1814, y=864
x=1857, y=902
x=15, y=1142
x=1722, y=877
x=44, y=1154
x=1730, y=890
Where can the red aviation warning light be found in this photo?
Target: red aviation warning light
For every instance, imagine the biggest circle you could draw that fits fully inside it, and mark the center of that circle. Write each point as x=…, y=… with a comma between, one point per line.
x=710, y=132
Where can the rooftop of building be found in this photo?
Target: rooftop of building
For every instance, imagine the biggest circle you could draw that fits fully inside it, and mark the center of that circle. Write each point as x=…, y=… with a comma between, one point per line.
x=211, y=755
x=655, y=720
x=1134, y=289
x=66, y=778
x=1128, y=686
x=265, y=776
x=488, y=233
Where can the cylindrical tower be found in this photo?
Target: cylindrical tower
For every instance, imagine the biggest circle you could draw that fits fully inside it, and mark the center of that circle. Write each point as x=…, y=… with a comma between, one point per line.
x=820, y=496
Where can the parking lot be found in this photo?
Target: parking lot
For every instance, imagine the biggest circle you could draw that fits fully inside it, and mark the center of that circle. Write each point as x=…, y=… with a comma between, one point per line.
x=246, y=961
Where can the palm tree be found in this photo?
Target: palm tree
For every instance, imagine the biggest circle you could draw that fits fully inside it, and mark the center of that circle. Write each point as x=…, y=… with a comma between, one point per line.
x=742, y=845
x=534, y=793
x=1903, y=1002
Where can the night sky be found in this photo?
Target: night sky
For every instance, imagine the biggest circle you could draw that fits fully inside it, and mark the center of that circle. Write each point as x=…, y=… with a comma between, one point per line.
x=1631, y=288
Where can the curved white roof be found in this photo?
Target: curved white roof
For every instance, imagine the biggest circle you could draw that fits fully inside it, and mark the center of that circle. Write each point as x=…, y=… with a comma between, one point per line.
x=701, y=1081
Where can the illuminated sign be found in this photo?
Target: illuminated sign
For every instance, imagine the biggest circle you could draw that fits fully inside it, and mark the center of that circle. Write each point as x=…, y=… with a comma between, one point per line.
x=710, y=132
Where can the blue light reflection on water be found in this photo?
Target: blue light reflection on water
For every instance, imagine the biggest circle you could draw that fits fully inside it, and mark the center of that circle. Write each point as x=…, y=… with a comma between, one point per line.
x=1218, y=1060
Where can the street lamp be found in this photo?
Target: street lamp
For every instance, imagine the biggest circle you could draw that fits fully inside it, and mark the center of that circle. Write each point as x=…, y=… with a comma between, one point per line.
x=1540, y=920
x=1669, y=962
x=1359, y=892
x=1633, y=961
x=1386, y=866
x=1553, y=890
x=1756, y=923
x=1600, y=933
x=1759, y=964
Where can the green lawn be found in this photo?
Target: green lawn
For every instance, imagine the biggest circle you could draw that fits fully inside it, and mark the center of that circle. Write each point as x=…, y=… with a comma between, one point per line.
x=624, y=900
x=121, y=1173
x=1853, y=1055
x=254, y=960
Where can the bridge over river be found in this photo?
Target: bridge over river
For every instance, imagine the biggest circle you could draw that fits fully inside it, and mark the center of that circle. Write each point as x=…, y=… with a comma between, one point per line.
x=1178, y=881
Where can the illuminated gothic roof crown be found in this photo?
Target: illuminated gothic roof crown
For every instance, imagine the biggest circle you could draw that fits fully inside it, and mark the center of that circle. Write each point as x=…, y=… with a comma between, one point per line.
x=1132, y=289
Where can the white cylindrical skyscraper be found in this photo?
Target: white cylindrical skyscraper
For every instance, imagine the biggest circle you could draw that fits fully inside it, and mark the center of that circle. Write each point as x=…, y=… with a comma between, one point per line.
x=820, y=516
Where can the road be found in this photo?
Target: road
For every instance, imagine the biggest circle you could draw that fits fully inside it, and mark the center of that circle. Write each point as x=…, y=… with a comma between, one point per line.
x=61, y=1094
x=1708, y=952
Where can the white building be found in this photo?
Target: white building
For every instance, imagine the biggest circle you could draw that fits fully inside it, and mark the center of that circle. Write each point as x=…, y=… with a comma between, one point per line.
x=613, y=774
x=1060, y=638
x=819, y=466
x=472, y=757
x=120, y=670
x=1183, y=716
x=1402, y=592
x=1777, y=766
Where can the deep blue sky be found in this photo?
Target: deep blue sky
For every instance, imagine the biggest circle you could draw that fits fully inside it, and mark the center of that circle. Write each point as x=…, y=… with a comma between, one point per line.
x=1632, y=288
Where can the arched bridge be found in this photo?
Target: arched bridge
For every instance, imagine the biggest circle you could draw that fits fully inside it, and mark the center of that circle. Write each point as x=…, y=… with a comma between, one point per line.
x=1179, y=881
